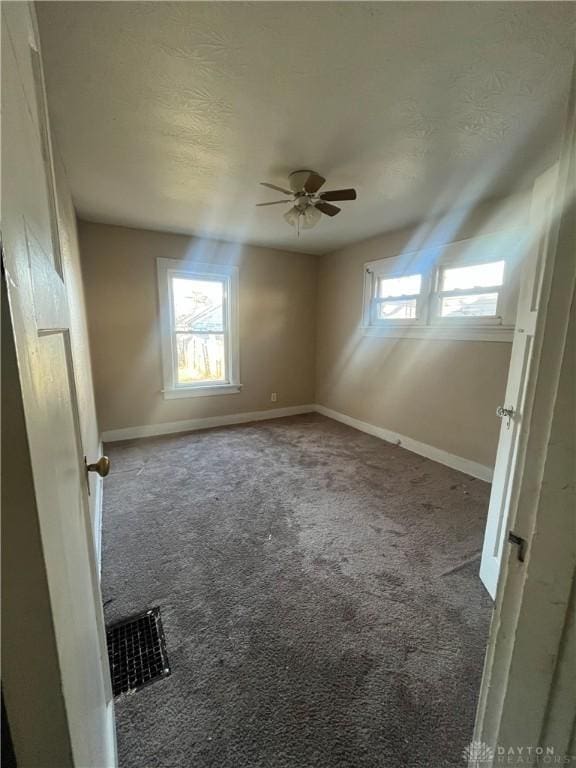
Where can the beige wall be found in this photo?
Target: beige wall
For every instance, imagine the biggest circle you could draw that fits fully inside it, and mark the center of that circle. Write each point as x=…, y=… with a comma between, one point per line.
x=277, y=292
x=443, y=393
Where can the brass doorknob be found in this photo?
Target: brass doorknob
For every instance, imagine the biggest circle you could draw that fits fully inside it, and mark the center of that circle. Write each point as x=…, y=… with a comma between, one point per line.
x=102, y=466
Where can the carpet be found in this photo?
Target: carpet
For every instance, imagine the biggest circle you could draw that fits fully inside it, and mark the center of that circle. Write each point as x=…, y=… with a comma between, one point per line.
x=315, y=605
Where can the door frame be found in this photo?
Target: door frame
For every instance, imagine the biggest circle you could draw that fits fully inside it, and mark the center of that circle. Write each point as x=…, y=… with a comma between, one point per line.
x=526, y=349
x=33, y=684
x=525, y=646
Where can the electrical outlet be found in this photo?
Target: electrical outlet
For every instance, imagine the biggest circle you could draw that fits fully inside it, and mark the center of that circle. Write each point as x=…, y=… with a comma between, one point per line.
x=273, y=397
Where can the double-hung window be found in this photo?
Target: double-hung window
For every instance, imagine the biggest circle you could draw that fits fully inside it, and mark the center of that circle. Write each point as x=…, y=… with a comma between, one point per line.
x=464, y=290
x=470, y=292
x=199, y=328
x=398, y=297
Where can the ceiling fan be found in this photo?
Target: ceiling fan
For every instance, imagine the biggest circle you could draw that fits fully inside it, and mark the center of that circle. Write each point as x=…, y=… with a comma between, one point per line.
x=308, y=204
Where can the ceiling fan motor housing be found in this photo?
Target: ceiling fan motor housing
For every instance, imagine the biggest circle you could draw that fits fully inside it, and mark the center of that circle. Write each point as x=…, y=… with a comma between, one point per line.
x=297, y=179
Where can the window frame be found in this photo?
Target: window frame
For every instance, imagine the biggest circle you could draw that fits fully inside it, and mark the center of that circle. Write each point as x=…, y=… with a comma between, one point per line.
x=437, y=294
x=419, y=297
x=167, y=269
x=430, y=263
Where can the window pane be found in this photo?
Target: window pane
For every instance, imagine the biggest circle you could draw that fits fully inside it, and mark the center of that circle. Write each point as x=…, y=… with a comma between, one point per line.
x=472, y=305
x=201, y=357
x=397, y=310
x=198, y=304
x=476, y=276
x=407, y=285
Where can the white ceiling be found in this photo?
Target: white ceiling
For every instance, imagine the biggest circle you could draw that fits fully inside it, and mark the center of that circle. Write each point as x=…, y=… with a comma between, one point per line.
x=169, y=114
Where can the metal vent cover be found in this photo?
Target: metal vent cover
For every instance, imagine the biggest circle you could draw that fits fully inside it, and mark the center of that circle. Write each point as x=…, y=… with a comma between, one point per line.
x=137, y=652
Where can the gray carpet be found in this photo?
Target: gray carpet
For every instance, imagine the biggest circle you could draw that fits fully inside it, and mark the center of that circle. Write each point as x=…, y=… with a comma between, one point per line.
x=300, y=567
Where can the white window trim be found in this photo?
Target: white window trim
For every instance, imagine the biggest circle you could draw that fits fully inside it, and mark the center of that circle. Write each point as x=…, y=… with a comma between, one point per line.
x=429, y=325
x=168, y=268
x=397, y=322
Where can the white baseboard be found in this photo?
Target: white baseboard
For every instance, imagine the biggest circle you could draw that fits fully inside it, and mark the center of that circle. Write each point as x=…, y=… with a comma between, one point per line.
x=110, y=735
x=422, y=449
x=472, y=468
x=191, y=425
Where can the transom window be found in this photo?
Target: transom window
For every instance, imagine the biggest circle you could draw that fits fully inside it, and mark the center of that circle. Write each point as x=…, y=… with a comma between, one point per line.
x=463, y=290
x=198, y=306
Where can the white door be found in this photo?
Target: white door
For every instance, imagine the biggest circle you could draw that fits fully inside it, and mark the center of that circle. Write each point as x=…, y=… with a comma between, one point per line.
x=512, y=432
x=39, y=315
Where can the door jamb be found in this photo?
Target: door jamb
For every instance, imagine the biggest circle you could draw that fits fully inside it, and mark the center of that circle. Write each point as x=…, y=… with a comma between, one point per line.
x=523, y=594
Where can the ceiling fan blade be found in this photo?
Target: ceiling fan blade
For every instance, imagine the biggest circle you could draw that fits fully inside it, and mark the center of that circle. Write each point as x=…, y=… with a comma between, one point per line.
x=329, y=210
x=313, y=183
x=339, y=194
x=276, y=202
x=278, y=189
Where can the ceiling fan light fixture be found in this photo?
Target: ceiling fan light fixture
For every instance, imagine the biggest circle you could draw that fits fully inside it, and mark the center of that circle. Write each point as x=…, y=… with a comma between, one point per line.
x=309, y=205
x=310, y=217
x=304, y=218
x=292, y=216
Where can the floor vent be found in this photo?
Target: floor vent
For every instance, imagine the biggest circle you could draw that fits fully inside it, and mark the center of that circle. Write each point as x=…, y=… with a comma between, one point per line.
x=137, y=652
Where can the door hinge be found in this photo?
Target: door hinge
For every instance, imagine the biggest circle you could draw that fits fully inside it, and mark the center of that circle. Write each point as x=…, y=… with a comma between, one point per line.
x=520, y=543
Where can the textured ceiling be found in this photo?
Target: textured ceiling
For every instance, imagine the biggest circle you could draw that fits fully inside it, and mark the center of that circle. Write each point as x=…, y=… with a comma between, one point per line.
x=168, y=114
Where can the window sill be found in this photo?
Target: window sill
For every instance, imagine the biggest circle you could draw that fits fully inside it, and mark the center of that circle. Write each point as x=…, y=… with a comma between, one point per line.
x=207, y=391
x=442, y=332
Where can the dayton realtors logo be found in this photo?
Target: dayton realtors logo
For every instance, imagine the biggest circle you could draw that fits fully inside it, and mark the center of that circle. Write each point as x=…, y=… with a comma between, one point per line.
x=480, y=755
